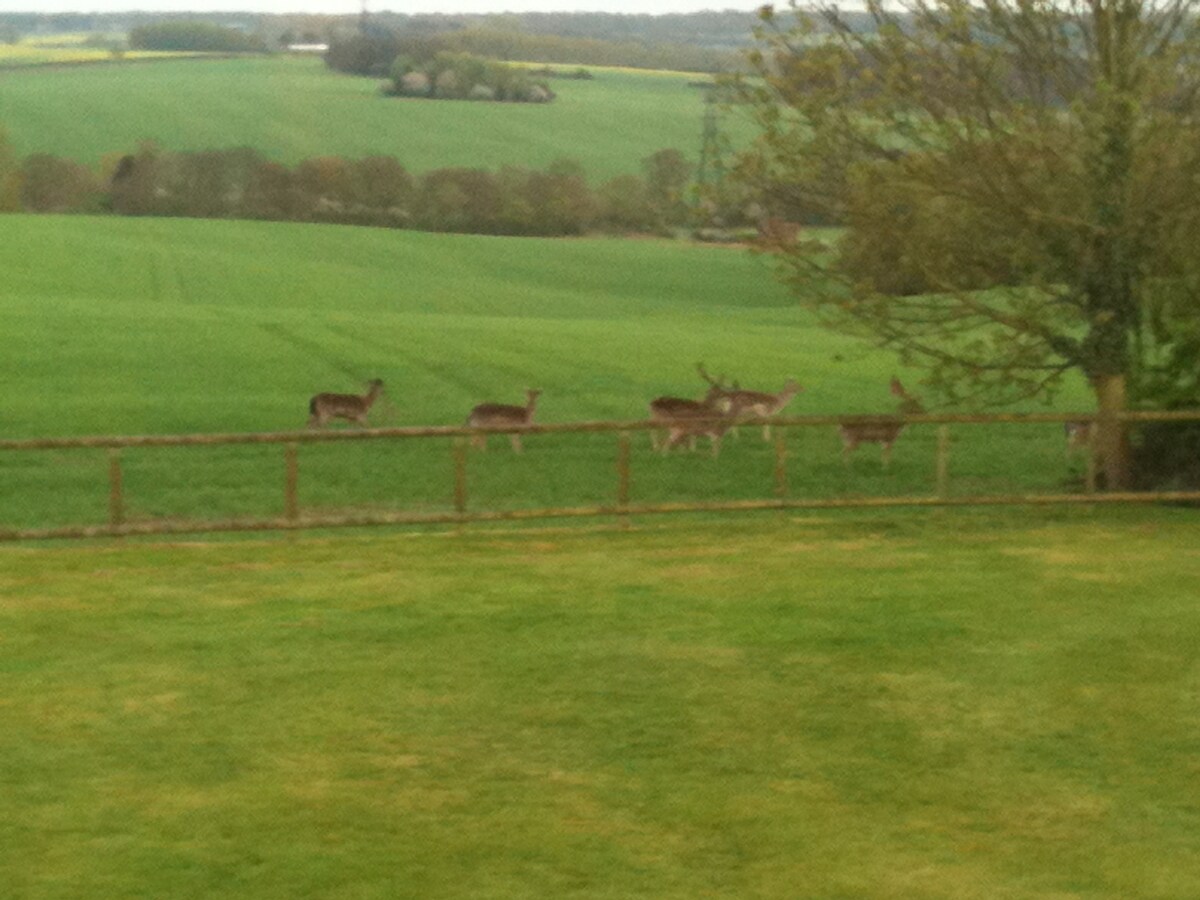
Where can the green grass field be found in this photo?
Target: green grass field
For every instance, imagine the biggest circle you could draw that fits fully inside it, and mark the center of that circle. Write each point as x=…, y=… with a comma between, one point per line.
x=913, y=705
x=291, y=109
x=127, y=326
x=860, y=707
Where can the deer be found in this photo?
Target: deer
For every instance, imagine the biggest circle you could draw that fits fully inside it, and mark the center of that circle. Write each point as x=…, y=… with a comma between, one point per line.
x=502, y=415
x=743, y=404
x=883, y=432
x=686, y=419
x=762, y=405
x=353, y=407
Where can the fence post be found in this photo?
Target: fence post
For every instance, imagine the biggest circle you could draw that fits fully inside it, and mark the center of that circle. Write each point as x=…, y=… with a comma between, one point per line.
x=459, y=447
x=943, y=461
x=291, y=480
x=1090, y=478
x=781, y=480
x=116, y=489
x=623, y=477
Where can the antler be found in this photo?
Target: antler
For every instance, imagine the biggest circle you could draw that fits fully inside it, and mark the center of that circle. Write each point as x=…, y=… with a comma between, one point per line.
x=717, y=382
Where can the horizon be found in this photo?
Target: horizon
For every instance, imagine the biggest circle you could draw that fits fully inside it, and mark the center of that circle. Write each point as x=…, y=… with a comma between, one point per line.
x=354, y=7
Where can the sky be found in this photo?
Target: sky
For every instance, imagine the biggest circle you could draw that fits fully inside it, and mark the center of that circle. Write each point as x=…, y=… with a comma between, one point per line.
x=400, y=6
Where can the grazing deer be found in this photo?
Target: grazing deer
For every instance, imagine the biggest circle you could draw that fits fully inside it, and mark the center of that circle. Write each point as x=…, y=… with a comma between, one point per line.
x=353, y=407
x=883, y=433
x=501, y=415
x=686, y=419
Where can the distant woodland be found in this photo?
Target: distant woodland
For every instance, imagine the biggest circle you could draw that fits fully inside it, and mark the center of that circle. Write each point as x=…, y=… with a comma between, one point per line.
x=718, y=30
x=702, y=42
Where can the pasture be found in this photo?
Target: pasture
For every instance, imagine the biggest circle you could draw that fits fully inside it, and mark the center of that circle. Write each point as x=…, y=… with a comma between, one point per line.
x=127, y=326
x=866, y=707
x=294, y=108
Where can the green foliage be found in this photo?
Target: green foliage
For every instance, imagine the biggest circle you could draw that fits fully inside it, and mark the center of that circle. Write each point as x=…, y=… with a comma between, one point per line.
x=970, y=159
x=1017, y=161
x=363, y=54
x=50, y=184
x=373, y=53
x=193, y=36
x=372, y=191
x=668, y=175
x=625, y=203
x=10, y=175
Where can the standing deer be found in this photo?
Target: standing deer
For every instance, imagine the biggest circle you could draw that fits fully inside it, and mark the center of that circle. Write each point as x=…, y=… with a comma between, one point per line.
x=883, y=433
x=742, y=404
x=353, y=407
x=686, y=419
x=501, y=415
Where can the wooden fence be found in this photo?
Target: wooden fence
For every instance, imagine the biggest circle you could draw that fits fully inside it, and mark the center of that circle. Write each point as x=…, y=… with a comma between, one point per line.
x=294, y=517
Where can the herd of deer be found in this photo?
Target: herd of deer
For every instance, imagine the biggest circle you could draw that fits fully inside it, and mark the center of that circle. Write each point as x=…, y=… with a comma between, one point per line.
x=718, y=412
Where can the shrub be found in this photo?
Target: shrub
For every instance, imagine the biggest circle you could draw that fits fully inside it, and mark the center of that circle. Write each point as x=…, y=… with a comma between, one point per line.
x=135, y=188
x=455, y=76
x=448, y=85
x=459, y=199
x=414, y=84
x=624, y=204
x=363, y=54
x=50, y=184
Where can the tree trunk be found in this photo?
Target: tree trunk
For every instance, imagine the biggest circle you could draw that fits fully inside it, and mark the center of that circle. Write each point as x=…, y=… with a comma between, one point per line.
x=1111, y=442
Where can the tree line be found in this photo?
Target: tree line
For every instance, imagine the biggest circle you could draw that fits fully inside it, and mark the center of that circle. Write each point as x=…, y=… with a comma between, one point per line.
x=725, y=31
x=374, y=52
x=377, y=190
x=195, y=37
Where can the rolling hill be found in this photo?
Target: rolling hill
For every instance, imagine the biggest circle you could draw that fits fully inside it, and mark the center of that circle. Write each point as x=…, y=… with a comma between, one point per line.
x=294, y=108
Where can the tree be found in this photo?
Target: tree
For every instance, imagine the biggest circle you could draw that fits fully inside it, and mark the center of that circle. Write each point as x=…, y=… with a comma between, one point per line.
x=51, y=184
x=10, y=175
x=136, y=185
x=194, y=36
x=1017, y=181
x=668, y=175
x=559, y=199
x=624, y=204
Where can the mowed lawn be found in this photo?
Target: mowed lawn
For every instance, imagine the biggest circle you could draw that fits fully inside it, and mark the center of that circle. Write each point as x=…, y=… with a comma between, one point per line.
x=291, y=109
x=953, y=706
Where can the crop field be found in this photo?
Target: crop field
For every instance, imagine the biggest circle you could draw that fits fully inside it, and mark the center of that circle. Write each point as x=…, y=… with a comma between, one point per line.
x=126, y=326
x=959, y=707
x=68, y=49
x=294, y=108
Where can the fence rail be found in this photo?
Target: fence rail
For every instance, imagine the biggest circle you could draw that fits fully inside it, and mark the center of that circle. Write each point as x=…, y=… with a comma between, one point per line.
x=294, y=518
x=451, y=431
